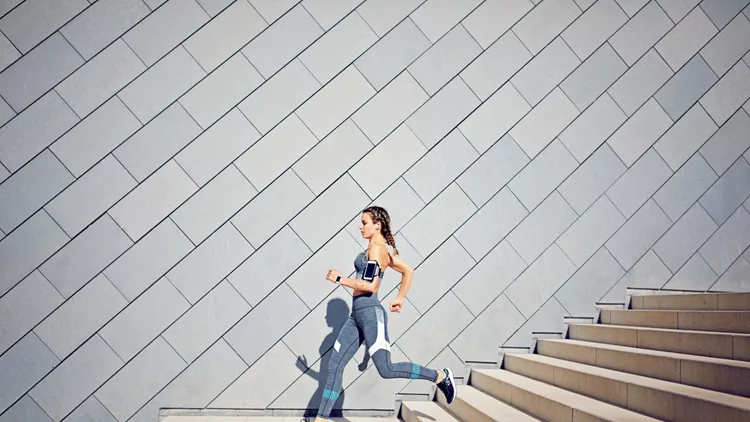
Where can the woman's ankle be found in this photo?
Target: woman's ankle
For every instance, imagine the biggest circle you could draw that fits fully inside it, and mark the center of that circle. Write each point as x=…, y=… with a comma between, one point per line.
x=440, y=377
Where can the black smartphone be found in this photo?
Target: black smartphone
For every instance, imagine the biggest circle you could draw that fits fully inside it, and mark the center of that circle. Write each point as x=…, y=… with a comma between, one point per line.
x=371, y=270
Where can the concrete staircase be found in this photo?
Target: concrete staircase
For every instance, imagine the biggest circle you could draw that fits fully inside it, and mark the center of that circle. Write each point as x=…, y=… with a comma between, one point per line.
x=669, y=357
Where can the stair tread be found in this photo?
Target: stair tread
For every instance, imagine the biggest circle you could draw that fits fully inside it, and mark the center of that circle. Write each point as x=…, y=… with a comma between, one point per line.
x=430, y=410
x=650, y=352
x=491, y=406
x=568, y=398
x=695, y=311
x=724, y=321
x=697, y=294
x=671, y=330
x=675, y=388
x=696, y=301
x=231, y=418
x=693, y=293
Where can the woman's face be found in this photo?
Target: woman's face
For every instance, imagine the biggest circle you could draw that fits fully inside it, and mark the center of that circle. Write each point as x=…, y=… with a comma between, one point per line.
x=367, y=227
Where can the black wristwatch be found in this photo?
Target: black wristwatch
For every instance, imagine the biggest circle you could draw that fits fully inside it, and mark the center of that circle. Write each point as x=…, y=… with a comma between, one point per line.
x=338, y=279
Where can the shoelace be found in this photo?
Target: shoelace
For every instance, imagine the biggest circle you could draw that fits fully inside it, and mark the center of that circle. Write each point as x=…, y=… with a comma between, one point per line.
x=446, y=381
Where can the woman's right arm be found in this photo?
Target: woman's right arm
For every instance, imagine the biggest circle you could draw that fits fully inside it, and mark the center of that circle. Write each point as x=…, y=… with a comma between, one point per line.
x=407, y=274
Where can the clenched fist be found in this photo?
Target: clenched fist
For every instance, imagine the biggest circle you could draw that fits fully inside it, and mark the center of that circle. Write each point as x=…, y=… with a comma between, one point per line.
x=332, y=274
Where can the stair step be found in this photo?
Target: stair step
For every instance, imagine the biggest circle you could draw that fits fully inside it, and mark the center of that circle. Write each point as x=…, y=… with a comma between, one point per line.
x=231, y=418
x=722, y=321
x=724, y=375
x=693, y=301
x=424, y=411
x=657, y=398
x=702, y=343
x=472, y=405
x=547, y=402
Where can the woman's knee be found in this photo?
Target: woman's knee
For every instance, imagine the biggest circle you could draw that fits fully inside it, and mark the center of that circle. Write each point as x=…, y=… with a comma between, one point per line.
x=384, y=371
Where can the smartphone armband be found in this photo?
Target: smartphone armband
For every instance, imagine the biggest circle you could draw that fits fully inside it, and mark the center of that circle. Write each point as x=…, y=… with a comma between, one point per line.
x=371, y=270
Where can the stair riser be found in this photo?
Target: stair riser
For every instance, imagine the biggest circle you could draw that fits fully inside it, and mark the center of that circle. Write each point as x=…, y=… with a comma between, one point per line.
x=602, y=389
x=733, y=322
x=711, y=345
x=648, y=401
x=678, y=302
x=722, y=378
x=741, y=348
x=464, y=411
x=408, y=416
x=536, y=406
x=424, y=411
x=669, y=407
x=701, y=344
x=704, y=302
x=726, y=379
x=650, y=366
x=472, y=404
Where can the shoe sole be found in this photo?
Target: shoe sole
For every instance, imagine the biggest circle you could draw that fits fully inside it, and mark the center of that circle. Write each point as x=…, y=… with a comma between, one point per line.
x=453, y=384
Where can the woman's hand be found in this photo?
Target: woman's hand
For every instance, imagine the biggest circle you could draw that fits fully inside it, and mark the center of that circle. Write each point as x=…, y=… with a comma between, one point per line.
x=332, y=274
x=396, y=305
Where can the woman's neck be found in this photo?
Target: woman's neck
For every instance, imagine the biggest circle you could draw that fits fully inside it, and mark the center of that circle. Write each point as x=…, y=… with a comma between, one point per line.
x=377, y=239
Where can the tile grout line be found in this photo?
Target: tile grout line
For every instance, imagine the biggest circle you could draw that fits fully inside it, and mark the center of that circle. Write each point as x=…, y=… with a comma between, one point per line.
x=206, y=73
x=54, y=287
x=128, y=137
x=36, y=403
x=241, y=234
x=208, y=15
x=124, y=168
x=165, y=276
x=71, y=46
x=169, y=217
x=124, y=41
x=118, y=291
x=245, y=177
x=304, y=183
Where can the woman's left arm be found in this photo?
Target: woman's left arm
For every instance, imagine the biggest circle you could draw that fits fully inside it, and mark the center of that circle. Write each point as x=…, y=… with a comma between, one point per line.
x=355, y=283
x=380, y=255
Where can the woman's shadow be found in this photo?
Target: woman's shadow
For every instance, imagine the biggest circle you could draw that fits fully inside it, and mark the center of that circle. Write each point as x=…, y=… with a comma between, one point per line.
x=336, y=315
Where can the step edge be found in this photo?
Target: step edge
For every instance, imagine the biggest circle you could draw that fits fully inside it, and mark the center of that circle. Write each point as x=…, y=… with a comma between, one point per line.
x=591, y=405
x=683, y=311
x=717, y=399
x=651, y=352
x=671, y=330
x=487, y=412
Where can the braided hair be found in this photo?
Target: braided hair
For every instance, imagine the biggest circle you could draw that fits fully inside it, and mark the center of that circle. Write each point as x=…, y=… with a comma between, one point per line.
x=380, y=215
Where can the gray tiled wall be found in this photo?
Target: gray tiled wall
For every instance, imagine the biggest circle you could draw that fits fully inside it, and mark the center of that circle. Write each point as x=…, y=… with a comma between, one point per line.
x=176, y=176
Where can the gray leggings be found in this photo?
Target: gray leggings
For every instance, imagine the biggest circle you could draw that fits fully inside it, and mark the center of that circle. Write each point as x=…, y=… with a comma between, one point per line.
x=369, y=324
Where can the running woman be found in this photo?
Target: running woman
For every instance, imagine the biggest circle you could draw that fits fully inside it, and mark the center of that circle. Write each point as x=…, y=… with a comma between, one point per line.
x=368, y=321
